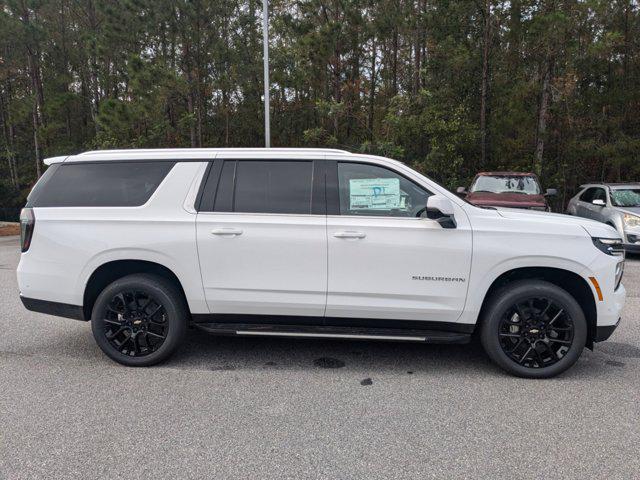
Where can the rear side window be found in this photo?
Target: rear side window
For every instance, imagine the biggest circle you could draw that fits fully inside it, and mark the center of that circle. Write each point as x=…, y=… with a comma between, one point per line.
x=109, y=184
x=265, y=187
x=594, y=193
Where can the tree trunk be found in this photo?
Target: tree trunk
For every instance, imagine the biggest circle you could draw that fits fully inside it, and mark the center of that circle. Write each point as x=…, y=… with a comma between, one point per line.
x=199, y=87
x=372, y=89
x=190, y=109
x=8, y=131
x=92, y=60
x=417, y=49
x=36, y=142
x=337, y=90
x=395, y=62
x=33, y=62
x=514, y=35
x=542, y=115
x=188, y=65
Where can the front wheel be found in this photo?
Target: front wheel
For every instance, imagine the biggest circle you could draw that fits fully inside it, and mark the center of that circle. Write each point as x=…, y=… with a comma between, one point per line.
x=533, y=329
x=139, y=320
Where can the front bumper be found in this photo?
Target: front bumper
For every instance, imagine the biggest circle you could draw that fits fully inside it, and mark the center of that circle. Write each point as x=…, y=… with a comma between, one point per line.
x=632, y=247
x=604, y=332
x=631, y=239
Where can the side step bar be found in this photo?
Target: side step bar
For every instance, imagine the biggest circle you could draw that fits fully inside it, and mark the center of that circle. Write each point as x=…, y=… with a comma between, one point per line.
x=349, y=333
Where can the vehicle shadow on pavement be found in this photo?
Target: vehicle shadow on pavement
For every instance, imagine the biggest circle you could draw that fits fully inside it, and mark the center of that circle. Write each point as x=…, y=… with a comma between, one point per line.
x=236, y=354
x=205, y=352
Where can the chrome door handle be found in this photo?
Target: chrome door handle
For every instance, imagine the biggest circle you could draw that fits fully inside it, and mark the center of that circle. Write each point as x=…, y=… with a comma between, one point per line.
x=349, y=234
x=226, y=231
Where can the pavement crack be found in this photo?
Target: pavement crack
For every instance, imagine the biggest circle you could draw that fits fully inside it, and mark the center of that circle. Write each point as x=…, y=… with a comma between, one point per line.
x=5, y=353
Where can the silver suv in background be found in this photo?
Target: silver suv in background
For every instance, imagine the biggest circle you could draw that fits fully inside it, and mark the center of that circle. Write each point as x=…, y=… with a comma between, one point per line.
x=616, y=204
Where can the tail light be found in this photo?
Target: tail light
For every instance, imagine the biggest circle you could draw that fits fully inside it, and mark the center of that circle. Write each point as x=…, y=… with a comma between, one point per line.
x=27, y=223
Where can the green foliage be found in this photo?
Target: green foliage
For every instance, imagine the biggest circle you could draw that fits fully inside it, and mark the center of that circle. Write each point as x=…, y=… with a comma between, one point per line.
x=399, y=78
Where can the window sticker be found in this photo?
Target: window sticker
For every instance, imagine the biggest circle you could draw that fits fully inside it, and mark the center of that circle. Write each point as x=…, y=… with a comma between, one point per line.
x=374, y=193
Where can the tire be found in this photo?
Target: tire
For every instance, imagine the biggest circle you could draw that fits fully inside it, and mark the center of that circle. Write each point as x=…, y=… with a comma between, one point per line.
x=139, y=320
x=510, y=322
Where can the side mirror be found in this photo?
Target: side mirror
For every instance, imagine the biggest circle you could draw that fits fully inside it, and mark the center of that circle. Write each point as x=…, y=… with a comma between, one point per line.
x=441, y=210
x=598, y=202
x=551, y=192
x=461, y=191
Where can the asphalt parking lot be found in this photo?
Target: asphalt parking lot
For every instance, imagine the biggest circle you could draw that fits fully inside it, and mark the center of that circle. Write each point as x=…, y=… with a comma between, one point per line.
x=269, y=408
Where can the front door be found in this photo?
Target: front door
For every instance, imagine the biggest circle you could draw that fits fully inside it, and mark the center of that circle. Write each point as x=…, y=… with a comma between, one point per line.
x=386, y=260
x=588, y=208
x=261, y=241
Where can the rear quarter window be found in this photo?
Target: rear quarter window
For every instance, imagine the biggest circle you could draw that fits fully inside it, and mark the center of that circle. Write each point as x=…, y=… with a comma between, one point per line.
x=109, y=184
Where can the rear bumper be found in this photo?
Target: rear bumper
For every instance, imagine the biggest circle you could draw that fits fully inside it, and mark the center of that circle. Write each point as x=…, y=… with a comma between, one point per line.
x=604, y=332
x=53, y=308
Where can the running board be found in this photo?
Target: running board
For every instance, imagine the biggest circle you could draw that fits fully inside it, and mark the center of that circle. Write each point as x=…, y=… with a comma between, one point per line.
x=348, y=333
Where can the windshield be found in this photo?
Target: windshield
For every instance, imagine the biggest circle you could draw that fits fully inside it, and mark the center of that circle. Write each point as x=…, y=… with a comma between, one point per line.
x=506, y=184
x=626, y=197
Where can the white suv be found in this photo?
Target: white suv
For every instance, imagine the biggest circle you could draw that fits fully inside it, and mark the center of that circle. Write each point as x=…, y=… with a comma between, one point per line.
x=308, y=243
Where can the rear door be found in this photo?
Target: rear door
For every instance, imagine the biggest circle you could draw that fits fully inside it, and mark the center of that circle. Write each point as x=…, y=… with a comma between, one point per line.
x=261, y=233
x=386, y=261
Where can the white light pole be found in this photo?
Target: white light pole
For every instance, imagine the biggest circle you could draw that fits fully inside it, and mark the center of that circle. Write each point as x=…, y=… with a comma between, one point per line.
x=265, y=41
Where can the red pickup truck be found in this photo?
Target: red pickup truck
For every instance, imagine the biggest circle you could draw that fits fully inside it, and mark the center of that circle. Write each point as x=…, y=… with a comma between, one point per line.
x=507, y=189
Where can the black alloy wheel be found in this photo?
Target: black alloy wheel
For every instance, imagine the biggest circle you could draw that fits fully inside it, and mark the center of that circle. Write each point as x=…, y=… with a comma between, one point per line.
x=533, y=328
x=139, y=320
x=135, y=323
x=536, y=333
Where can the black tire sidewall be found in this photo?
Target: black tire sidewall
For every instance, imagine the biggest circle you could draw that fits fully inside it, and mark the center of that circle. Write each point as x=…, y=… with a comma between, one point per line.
x=517, y=292
x=162, y=290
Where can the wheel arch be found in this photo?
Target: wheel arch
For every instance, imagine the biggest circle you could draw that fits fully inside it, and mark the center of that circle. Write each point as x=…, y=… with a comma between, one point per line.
x=570, y=281
x=110, y=271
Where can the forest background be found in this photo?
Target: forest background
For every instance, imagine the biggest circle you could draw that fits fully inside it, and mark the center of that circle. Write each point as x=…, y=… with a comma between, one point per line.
x=448, y=87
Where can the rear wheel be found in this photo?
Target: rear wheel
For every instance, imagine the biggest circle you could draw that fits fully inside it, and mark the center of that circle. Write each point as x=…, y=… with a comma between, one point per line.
x=139, y=320
x=533, y=329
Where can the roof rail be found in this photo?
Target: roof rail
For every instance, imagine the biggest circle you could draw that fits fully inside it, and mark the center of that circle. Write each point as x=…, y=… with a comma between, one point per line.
x=212, y=150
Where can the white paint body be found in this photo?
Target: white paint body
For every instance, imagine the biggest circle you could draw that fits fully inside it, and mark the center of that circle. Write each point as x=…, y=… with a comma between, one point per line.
x=310, y=265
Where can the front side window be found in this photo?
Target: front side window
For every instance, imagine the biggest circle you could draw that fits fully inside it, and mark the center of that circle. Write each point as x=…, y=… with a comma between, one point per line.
x=506, y=184
x=107, y=184
x=599, y=194
x=376, y=191
x=588, y=194
x=262, y=186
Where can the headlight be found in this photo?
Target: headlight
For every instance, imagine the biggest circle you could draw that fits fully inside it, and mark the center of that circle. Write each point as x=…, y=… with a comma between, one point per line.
x=610, y=246
x=631, y=220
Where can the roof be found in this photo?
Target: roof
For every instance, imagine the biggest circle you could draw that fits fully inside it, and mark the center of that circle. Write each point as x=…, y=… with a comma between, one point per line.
x=511, y=174
x=610, y=185
x=184, y=153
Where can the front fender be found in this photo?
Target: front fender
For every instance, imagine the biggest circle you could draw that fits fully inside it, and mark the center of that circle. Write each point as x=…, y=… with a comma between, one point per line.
x=482, y=281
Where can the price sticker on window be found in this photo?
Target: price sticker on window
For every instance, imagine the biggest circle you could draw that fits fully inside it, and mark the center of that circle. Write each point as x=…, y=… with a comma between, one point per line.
x=374, y=193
